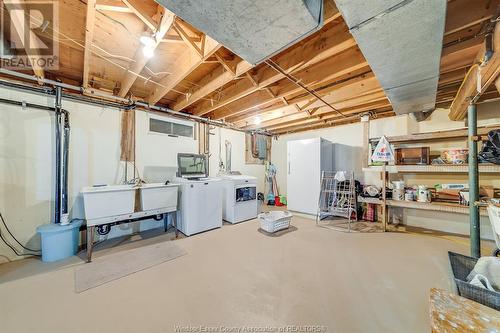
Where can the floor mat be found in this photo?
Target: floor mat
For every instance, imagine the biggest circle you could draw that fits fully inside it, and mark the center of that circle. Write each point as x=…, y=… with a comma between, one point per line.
x=115, y=266
x=356, y=226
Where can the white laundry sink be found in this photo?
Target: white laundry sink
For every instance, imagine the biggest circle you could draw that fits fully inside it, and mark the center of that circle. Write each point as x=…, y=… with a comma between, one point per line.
x=109, y=200
x=158, y=196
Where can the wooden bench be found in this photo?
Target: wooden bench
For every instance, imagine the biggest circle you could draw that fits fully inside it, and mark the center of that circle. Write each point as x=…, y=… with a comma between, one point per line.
x=452, y=313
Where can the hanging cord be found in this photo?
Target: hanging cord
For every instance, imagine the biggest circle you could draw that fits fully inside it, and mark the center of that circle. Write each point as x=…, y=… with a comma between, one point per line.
x=278, y=68
x=15, y=239
x=13, y=248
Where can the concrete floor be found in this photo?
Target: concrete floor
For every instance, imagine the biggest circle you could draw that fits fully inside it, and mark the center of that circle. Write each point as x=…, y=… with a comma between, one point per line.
x=237, y=276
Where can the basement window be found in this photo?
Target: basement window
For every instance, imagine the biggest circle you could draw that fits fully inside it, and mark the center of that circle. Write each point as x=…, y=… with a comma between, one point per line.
x=171, y=127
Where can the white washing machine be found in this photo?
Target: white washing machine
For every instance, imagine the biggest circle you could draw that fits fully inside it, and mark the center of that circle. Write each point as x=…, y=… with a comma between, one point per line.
x=200, y=205
x=200, y=197
x=239, y=198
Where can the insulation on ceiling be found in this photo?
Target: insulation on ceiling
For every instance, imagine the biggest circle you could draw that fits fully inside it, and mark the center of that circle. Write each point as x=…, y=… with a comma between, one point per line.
x=252, y=29
x=402, y=42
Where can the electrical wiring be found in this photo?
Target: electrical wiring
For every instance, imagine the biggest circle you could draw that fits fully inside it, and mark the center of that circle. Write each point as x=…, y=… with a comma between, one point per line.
x=463, y=81
x=114, y=55
x=82, y=46
x=15, y=250
x=114, y=21
x=13, y=237
x=156, y=73
x=12, y=248
x=101, y=56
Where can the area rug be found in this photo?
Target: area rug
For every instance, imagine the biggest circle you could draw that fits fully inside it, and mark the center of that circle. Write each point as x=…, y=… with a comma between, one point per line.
x=115, y=266
x=356, y=226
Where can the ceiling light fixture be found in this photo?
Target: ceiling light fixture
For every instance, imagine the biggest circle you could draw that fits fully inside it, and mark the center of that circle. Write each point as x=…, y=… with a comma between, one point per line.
x=148, y=52
x=257, y=120
x=149, y=43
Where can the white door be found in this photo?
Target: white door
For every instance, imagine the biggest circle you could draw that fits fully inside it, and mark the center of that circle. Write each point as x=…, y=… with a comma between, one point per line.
x=303, y=178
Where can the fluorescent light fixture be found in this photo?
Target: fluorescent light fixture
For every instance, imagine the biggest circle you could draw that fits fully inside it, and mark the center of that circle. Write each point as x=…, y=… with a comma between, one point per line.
x=257, y=120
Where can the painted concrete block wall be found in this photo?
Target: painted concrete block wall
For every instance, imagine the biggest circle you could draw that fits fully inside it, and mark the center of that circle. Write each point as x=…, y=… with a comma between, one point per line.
x=25, y=170
x=348, y=157
x=26, y=161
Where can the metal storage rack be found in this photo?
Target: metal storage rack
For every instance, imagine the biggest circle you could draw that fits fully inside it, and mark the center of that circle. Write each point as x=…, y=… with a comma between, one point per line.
x=337, y=198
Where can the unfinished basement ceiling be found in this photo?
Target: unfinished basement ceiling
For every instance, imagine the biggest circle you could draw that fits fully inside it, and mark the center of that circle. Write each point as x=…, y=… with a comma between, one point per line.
x=402, y=42
x=193, y=74
x=254, y=30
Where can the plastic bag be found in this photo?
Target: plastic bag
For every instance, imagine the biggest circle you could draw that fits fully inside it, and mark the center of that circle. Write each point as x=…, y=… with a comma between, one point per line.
x=490, y=152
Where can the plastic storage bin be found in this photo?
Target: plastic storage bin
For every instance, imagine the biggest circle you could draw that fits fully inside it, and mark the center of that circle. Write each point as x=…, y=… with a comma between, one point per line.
x=59, y=241
x=275, y=221
x=461, y=266
x=157, y=196
x=107, y=201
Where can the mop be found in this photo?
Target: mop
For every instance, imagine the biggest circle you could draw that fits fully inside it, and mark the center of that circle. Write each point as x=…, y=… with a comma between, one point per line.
x=271, y=183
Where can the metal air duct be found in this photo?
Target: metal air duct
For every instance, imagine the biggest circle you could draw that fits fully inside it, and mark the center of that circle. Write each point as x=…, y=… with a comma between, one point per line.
x=402, y=42
x=253, y=29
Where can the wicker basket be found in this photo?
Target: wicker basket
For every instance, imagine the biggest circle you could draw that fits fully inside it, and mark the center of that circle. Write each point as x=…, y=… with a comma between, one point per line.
x=275, y=221
x=461, y=266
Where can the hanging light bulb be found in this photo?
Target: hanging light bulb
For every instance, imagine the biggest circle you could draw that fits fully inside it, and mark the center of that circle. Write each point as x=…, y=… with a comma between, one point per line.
x=148, y=52
x=147, y=41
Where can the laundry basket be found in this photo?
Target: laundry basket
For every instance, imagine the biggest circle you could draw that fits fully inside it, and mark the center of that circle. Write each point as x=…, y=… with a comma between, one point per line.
x=461, y=266
x=275, y=221
x=494, y=215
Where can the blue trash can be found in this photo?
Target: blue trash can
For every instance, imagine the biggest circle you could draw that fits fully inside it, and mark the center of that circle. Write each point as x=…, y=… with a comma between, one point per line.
x=59, y=241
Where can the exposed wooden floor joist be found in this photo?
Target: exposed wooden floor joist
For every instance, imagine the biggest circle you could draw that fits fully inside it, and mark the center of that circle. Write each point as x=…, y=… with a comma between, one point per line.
x=191, y=72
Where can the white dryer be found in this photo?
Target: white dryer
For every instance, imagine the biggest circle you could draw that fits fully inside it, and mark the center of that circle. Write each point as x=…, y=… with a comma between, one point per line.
x=239, y=198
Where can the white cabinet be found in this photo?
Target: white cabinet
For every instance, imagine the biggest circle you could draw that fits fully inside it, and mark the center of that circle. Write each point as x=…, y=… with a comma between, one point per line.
x=306, y=160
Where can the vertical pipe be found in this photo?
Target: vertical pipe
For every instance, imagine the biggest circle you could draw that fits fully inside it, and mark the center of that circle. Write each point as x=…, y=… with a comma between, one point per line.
x=206, y=146
x=475, y=236
x=65, y=164
x=228, y=156
x=58, y=162
x=384, y=196
x=365, y=120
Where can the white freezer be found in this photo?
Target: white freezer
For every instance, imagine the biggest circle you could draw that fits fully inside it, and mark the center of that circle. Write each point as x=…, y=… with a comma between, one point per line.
x=306, y=160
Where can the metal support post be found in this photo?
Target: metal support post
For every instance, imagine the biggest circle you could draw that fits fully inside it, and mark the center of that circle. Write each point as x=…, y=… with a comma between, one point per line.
x=475, y=235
